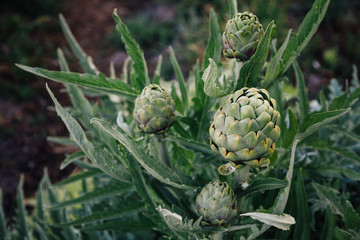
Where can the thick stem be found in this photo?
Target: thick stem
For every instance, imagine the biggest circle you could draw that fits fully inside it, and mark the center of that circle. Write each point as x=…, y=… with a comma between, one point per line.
x=217, y=236
x=241, y=177
x=164, y=153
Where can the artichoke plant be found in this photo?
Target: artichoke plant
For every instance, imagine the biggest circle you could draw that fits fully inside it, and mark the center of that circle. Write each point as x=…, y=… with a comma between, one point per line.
x=246, y=128
x=154, y=110
x=216, y=203
x=241, y=36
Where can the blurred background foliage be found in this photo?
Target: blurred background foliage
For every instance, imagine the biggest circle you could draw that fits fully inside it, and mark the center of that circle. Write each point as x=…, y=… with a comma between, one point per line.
x=30, y=34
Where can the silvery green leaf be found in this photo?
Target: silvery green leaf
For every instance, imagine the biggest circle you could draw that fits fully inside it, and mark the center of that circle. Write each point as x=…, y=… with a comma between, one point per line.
x=283, y=221
x=219, y=86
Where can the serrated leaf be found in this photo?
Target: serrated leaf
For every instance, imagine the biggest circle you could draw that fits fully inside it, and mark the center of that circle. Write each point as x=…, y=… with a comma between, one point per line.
x=302, y=93
x=314, y=121
x=249, y=73
x=80, y=176
x=338, y=172
x=351, y=217
x=85, y=80
x=97, y=194
x=134, y=51
x=262, y=184
x=328, y=226
x=100, y=157
x=175, y=221
x=345, y=152
x=341, y=234
x=180, y=78
x=307, y=29
x=329, y=197
x=85, y=61
x=344, y=132
x=283, y=221
x=126, y=209
x=153, y=166
x=218, y=86
x=213, y=49
x=302, y=228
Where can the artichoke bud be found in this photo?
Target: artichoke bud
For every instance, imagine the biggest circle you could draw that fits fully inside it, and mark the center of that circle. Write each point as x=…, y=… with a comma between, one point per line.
x=246, y=128
x=216, y=203
x=241, y=36
x=154, y=110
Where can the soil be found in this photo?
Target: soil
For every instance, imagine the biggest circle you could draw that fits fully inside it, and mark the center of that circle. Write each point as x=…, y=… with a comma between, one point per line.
x=25, y=125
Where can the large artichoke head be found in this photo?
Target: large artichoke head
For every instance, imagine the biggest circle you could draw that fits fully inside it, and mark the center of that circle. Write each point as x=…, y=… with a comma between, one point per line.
x=241, y=36
x=246, y=128
x=154, y=110
x=216, y=203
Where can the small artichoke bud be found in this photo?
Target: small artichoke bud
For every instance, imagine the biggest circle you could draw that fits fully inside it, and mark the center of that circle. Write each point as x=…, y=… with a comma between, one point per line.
x=216, y=203
x=241, y=36
x=154, y=110
x=246, y=128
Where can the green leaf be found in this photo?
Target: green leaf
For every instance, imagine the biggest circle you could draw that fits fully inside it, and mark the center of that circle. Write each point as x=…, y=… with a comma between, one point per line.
x=157, y=72
x=329, y=197
x=180, y=78
x=22, y=229
x=80, y=176
x=218, y=86
x=85, y=61
x=97, y=194
x=122, y=224
x=351, y=217
x=290, y=133
x=134, y=51
x=178, y=104
x=302, y=93
x=85, y=80
x=153, y=166
x=273, y=69
x=232, y=6
x=249, y=73
x=3, y=230
x=314, y=121
x=283, y=195
x=71, y=158
x=62, y=141
x=214, y=46
x=62, y=61
x=337, y=172
x=262, y=184
x=344, y=132
x=345, y=152
x=193, y=145
x=125, y=209
x=100, y=157
x=341, y=234
x=302, y=227
x=327, y=232
x=307, y=29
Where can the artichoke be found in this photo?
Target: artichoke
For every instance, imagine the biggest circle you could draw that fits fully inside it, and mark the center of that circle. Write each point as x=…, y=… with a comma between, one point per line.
x=246, y=128
x=216, y=203
x=242, y=35
x=154, y=110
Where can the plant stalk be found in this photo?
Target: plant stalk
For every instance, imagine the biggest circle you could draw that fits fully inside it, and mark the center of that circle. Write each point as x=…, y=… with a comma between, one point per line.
x=217, y=236
x=163, y=151
x=241, y=177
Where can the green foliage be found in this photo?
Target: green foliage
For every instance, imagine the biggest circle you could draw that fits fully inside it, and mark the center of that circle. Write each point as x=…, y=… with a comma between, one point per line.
x=130, y=185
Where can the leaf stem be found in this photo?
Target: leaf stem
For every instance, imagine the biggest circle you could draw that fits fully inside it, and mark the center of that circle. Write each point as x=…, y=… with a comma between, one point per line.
x=217, y=236
x=163, y=151
x=241, y=177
